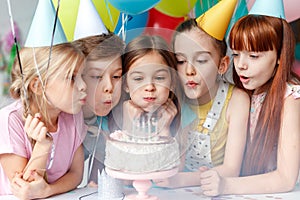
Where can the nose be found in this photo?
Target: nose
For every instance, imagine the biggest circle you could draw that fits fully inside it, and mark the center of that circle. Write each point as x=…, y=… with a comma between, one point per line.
x=190, y=70
x=108, y=85
x=150, y=87
x=241, y=62
x=81, y=84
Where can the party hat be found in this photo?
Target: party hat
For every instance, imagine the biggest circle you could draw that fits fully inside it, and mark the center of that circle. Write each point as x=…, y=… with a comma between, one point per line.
x=41, y=29
x=273, y=8
x=109, y=187
x=215, y=21
x=88, y=21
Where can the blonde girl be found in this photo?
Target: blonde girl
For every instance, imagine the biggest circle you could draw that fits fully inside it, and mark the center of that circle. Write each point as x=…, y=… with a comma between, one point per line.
x=42, y=131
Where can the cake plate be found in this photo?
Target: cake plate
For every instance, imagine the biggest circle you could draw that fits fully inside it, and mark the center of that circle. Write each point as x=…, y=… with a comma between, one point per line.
x=141, y=182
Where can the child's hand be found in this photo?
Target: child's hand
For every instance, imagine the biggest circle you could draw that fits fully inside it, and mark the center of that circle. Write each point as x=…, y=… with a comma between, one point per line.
x=36, y=129
x=211, y=183
x=38, y=188
x=166, y=113
x=131, y=112
x=172, y=182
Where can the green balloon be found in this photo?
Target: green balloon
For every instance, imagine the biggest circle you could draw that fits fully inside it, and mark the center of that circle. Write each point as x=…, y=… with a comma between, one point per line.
x=175, y=8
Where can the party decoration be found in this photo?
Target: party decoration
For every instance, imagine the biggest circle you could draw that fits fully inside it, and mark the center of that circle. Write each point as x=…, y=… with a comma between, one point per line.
x=161, y=24
x=108, y=13
x=176, y=8
x=40, y=32
x=133, y=26
x=133, y=7
x=273, y=8
x=68, y=15
x=291, y=8
x=216, y=20
x=88, y=21
x=201, y=6
x=240, y=11
x=109, y=187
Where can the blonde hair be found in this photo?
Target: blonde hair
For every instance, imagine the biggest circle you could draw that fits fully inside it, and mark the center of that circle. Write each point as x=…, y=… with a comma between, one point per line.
x=64, y=59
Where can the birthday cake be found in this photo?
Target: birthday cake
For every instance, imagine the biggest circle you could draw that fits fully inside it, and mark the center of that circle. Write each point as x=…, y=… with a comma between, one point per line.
x=140, y=155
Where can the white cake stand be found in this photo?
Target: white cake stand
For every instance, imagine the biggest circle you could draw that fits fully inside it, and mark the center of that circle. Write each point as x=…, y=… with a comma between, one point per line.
x=141, y=182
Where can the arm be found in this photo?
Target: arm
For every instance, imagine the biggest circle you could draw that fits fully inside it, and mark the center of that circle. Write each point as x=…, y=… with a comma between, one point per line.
x=237, y=133
x=72, y=178
x=282, y=179
x=36, y=130
x=39, y=188
x=235, y=145
x=13, y=163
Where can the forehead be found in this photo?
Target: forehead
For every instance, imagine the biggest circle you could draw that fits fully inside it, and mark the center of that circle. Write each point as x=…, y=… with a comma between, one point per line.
x=152, y=58
x=192, y=41
x=111, y=63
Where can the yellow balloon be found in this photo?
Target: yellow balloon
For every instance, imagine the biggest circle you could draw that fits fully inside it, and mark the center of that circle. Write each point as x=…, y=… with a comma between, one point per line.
x=67, y=15
x=108, y=13
x=176, y=8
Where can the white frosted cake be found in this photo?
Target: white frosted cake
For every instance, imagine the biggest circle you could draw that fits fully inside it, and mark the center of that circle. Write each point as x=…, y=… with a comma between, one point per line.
x=140, y=155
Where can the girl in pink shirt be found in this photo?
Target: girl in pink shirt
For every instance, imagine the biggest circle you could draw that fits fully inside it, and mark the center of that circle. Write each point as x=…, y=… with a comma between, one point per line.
x=41, y=132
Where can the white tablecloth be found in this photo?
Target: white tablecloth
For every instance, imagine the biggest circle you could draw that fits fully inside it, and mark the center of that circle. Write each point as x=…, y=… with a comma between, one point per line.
x=193, y=193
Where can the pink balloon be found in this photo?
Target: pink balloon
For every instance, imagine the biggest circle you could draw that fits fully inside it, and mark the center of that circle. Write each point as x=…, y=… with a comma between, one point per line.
x=291, y=9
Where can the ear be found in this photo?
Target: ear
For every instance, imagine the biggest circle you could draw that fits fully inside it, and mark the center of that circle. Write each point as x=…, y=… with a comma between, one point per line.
x=126, y=89
x=224, y=64
x=36, y=86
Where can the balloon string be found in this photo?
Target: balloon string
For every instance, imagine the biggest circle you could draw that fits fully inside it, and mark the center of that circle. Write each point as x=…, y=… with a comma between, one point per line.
x=14, y=35
x=17, y=49
x=53, y=32
x=122, y=30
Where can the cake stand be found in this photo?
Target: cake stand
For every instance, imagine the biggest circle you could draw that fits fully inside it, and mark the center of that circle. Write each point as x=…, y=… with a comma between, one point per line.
x=141, y=182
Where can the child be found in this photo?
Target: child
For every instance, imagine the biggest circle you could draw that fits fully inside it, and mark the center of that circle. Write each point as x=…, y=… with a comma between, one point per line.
x=150, y=83
x=41, y=132
x=102, y=75
x=215, y=133
x=263, y=52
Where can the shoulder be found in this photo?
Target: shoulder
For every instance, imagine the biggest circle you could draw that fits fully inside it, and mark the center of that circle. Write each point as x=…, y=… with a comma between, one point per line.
x=239, y=103
x=239, y=96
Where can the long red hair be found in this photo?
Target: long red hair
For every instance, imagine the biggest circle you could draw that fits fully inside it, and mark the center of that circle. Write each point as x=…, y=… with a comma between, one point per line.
x=262, y=33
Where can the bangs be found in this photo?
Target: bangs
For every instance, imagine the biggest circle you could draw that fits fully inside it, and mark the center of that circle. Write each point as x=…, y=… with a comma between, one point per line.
x=253, y=33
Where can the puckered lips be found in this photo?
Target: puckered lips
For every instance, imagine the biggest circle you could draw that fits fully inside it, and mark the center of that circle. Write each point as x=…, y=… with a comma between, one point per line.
x=149, y=99
x=191, y=84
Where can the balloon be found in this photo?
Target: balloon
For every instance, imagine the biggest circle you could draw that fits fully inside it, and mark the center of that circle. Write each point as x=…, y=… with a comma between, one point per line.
x=297, y=51
x=133, y=7
x=161, y=24
x=291, y=9
x=133, y=27
x=67, y=15
x=175, y=8
x=108, y=13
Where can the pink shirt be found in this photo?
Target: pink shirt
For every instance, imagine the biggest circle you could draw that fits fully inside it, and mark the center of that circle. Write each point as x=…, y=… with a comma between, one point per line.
x=13, y=139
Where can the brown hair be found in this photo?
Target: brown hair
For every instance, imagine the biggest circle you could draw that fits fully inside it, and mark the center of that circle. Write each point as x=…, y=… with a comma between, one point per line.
x=145, y=44
x=262, y=33
x=100, y=46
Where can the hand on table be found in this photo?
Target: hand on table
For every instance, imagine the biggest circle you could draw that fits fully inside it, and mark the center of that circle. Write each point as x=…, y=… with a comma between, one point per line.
x=211, y=182
x=26, y=190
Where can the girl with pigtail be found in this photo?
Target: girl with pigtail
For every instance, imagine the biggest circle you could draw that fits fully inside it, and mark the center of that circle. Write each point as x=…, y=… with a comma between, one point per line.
x=42, y=131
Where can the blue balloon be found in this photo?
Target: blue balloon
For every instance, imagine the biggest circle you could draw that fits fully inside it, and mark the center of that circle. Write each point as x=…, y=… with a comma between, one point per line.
x=297, y=51
x=133, y=7
x=134, y=25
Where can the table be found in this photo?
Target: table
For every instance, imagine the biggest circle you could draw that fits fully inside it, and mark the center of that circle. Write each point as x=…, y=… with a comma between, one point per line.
x=191, y=193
